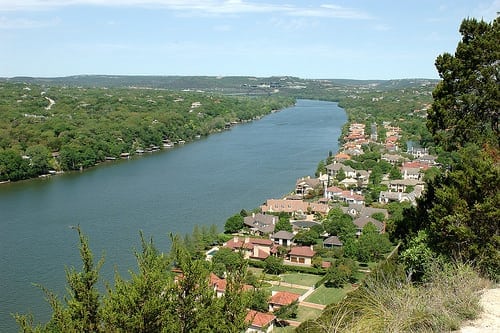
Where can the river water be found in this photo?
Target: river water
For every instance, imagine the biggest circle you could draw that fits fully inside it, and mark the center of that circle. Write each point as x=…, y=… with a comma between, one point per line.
x=202, y=183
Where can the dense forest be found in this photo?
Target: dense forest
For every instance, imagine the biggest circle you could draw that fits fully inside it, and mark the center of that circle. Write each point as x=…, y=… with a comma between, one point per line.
x=57, y=128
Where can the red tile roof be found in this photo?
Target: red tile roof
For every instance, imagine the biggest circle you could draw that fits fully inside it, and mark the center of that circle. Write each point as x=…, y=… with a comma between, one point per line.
x=259, y=319
x=284, y=298
x=302, y=251
x=218, y=283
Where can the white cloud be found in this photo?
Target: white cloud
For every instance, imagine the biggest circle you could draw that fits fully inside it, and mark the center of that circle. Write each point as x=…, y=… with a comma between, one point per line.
x=293, y=24
x=21, y=23
x=199, y=7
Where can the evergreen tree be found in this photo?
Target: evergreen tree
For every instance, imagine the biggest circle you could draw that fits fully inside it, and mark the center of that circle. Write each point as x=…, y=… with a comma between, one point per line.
x=139, y=305
x=467, y=100
x=81, y=312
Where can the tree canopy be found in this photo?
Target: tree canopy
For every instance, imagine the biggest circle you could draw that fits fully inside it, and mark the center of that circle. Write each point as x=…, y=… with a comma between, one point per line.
x=467, y=101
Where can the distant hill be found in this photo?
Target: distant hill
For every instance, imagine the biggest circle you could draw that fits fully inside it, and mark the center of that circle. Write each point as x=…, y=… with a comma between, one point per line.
x=224, y=84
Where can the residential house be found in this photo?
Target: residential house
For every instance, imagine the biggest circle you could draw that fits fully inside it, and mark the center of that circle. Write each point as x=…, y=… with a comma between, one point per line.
x=333, y=192
x=255, y=248
x=294, y=207
x=357, y=210
x=220, y=285
x=303, y=225
x=332, y=241
x=428, y=159
x=301, y=255
x=353, y=151
x=361, y=222
x=394, y=159
x=307, y=185
x=340, y=157
x=352, y=197
x=363, y=177
x=334, y=168
x=387, y=196
x=401, y=185
x=259, y=322
x=283, y=238
x=418, y=152
x=260, y=224
x=282, y=298
x=411, y=173
x=349, y=182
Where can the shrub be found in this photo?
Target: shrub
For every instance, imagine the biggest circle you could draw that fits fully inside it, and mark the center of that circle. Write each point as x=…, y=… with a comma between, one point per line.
x=388, y=302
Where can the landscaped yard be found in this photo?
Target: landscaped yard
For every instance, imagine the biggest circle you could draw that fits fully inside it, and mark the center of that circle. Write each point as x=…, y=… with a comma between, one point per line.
x=287, y=329
x=325, y=296
x=305, y=313
x=302, y=279
x=299, y=291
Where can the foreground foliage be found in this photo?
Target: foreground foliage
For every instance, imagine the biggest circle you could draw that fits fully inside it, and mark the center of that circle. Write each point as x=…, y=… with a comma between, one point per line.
x=154, y=299
x=388, y=302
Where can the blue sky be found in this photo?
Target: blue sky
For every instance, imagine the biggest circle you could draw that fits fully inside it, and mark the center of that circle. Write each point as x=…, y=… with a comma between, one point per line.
x=365, y=39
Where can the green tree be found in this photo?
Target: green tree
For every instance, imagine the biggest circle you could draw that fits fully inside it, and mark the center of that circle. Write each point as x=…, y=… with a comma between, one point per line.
x=274, y=265
x=320, y=169
x=467, y=100
x=258, y=299
x=371, y=244
x=307, y=237
x=341, y=272
x=233, y=224
x=288, y=311
x=417, y=256
x=283, y=224
x=395, y=173
x=81, y=313
x=227, y=257
x=39, y=159
x=12, y=166
x=460, y=213
x=340, y=224
x=340, y=176
x=139, y=304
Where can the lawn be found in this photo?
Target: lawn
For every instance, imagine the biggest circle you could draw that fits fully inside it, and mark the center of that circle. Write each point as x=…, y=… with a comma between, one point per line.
x=302, y=279
x=305, y=313
x=286, y=288
x=325, y=296
x=287, y=329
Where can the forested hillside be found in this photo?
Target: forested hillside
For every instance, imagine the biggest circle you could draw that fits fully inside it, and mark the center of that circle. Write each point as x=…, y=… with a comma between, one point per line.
x=46, y=128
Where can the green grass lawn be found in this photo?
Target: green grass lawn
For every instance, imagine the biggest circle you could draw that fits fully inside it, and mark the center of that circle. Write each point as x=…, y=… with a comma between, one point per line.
x=301, y=278
x=286, y=288
x=304, y=313
x=287, y=329
x=325, y=296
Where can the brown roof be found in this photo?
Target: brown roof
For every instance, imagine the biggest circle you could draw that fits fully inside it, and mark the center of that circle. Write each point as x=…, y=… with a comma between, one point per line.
x=302, y=251
x=259, y=319
x=284, y=298
x=218, y=283
x=361, y=222
x=326, y=264
x=247, y=243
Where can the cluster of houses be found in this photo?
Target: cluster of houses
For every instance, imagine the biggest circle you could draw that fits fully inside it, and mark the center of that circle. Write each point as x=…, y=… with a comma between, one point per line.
x=262, y=241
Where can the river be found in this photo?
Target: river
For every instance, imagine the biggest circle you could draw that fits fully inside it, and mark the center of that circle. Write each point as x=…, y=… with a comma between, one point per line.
x=203, y=182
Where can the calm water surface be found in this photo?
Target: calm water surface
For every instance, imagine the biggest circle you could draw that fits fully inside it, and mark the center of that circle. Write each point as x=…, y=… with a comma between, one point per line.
x=203, y=182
